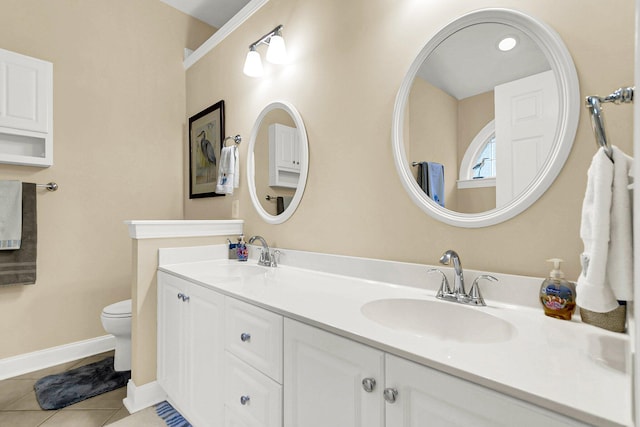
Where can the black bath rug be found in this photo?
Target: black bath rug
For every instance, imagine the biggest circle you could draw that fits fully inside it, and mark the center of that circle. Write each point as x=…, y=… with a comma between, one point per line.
x=61, y=390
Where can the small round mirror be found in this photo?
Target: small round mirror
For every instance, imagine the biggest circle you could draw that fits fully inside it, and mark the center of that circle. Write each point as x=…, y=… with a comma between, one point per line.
x=485, y=117
x=278, y=162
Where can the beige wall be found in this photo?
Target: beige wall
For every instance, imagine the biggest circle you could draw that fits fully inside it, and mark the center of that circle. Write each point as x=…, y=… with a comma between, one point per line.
x=347, y=62
x=119, y=112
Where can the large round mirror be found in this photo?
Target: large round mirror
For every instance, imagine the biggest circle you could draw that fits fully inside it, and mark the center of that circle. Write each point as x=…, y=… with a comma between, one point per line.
x=278, y=161
x=485, y=117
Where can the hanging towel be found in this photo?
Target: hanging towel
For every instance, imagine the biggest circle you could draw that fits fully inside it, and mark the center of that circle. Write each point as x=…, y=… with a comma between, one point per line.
x=423, y=177
x=18, y=267
x=10, y=214
x=436, y=182
x=606, y=233
x=228, y=176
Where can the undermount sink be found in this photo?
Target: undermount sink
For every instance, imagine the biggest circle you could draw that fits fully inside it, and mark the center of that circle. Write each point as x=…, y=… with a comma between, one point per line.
x=236, y=271
x=444, y=320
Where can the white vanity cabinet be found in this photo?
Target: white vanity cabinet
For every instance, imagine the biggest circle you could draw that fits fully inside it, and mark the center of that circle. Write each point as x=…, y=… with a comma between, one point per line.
x=325, y=376
x=191, y=348
x=26, y=110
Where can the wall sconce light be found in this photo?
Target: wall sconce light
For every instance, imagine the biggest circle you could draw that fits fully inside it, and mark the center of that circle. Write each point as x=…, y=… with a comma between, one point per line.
x=276, y=54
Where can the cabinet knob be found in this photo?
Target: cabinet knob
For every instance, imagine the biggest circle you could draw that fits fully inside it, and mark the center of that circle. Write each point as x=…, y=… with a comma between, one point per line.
x=186, y=298
x=390, y=394
x=180, y=295
x=368, y=384
x=244, y=337
x=244, y=400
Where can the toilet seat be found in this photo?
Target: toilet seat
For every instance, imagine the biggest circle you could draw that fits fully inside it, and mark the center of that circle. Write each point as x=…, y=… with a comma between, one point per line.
x=119, y=309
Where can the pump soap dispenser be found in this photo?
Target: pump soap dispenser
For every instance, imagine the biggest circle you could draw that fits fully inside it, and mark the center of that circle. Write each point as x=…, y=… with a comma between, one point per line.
x=557, y=295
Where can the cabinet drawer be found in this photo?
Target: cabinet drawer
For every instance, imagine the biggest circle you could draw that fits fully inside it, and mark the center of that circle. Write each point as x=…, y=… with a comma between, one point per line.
x=255, y=336
x=251, y=398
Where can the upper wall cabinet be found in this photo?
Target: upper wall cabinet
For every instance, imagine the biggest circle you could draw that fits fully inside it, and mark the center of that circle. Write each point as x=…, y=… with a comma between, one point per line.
x=26, y=110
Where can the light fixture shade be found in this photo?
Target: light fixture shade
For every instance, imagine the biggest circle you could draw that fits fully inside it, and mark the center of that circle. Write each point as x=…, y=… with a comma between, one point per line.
x=253, y=64
x=277, y=52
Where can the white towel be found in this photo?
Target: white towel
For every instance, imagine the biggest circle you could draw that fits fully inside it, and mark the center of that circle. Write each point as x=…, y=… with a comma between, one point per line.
x=228, y=175
x=10, y=215
x=606, y=233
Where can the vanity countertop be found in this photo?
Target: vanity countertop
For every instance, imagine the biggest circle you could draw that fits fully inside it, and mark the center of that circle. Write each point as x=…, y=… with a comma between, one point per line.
x=566, y=366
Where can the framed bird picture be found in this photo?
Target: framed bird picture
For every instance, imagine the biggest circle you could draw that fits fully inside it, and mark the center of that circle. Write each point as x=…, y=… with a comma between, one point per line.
x=206, y=135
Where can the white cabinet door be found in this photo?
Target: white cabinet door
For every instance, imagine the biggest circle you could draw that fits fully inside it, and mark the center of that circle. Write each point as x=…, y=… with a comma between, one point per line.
x=323, y=376
x=205, y=352
x=25, y=92
x=191, y=349
x=284, y=156
x=171, y=337
x=426, y=397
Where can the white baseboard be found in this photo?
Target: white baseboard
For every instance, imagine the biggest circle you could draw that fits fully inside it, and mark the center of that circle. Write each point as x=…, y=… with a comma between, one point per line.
x=142, y=397
x=29, y=362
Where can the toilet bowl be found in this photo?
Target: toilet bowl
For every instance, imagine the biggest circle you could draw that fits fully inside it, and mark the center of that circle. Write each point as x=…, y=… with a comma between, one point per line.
x=116, y=320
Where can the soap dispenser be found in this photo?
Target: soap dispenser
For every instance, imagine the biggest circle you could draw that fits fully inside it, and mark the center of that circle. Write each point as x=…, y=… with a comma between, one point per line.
x=557, y=295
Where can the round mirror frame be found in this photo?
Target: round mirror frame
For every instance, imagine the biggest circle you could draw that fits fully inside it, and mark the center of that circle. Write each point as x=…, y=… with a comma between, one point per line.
x=569, y=110
x=304, y=162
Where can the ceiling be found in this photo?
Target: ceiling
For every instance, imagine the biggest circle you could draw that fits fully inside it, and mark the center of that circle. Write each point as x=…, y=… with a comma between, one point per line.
x=214, y=12
x=468, y=62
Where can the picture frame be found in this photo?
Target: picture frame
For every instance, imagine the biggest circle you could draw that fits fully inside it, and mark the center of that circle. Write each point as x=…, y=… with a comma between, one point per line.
x=206, y=136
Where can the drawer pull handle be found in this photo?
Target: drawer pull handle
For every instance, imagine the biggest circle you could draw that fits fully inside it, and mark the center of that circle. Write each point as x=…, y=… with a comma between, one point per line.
x=368, y=384
x=244, y=400
x=390, y=394
x=244, y=337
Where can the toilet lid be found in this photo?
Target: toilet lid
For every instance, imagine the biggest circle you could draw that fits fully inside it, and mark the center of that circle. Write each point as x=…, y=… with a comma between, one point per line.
x=118, y=309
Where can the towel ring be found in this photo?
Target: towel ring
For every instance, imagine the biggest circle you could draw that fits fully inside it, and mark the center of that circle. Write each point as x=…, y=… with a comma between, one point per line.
x=236, y=139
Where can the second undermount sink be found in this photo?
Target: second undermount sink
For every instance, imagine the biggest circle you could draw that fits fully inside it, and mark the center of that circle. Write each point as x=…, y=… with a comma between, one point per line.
x=444, y=320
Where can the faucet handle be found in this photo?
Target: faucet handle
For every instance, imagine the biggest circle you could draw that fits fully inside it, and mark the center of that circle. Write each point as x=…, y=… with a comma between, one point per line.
x=475, y=297
x=445, y=290
x=275, y=258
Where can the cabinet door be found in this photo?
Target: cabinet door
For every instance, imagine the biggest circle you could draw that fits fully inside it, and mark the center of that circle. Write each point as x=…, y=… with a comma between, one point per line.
x=25, y=92
x=285, y=140
x=171, y=338
x=323, y=376
x=205, y=352
x=427, y=397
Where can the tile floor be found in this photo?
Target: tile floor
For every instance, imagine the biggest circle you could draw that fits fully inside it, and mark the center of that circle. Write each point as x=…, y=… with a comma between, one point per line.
x=19, y=408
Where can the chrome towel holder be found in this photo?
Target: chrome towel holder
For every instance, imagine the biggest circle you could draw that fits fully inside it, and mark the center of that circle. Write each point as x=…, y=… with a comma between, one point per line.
x=51, y=186
x=622, y=95
x=236, y=139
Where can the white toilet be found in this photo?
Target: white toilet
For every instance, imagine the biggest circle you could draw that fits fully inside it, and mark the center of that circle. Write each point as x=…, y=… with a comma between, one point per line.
x=116, y=320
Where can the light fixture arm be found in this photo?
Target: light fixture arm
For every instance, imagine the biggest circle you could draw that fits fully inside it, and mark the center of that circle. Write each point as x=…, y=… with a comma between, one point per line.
x=267, y=37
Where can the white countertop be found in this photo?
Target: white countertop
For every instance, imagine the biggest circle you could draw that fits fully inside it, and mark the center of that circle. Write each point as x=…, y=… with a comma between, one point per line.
x=572, y=368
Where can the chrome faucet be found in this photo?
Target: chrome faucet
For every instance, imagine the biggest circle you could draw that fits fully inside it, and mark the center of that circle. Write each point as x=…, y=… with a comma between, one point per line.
x=265, y=254
x=459, y=294
x=458, y=281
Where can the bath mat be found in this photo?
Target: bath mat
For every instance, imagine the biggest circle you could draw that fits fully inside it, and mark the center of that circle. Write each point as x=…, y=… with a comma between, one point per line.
x=61, y=390
x=170, y=415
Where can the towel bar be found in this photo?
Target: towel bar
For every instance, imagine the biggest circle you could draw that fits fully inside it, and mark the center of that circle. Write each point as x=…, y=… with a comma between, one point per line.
x=51, y=186
x=622, y=95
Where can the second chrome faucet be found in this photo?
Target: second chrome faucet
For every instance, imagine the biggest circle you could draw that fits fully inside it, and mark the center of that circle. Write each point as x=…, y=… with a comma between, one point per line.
x=459, y=293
